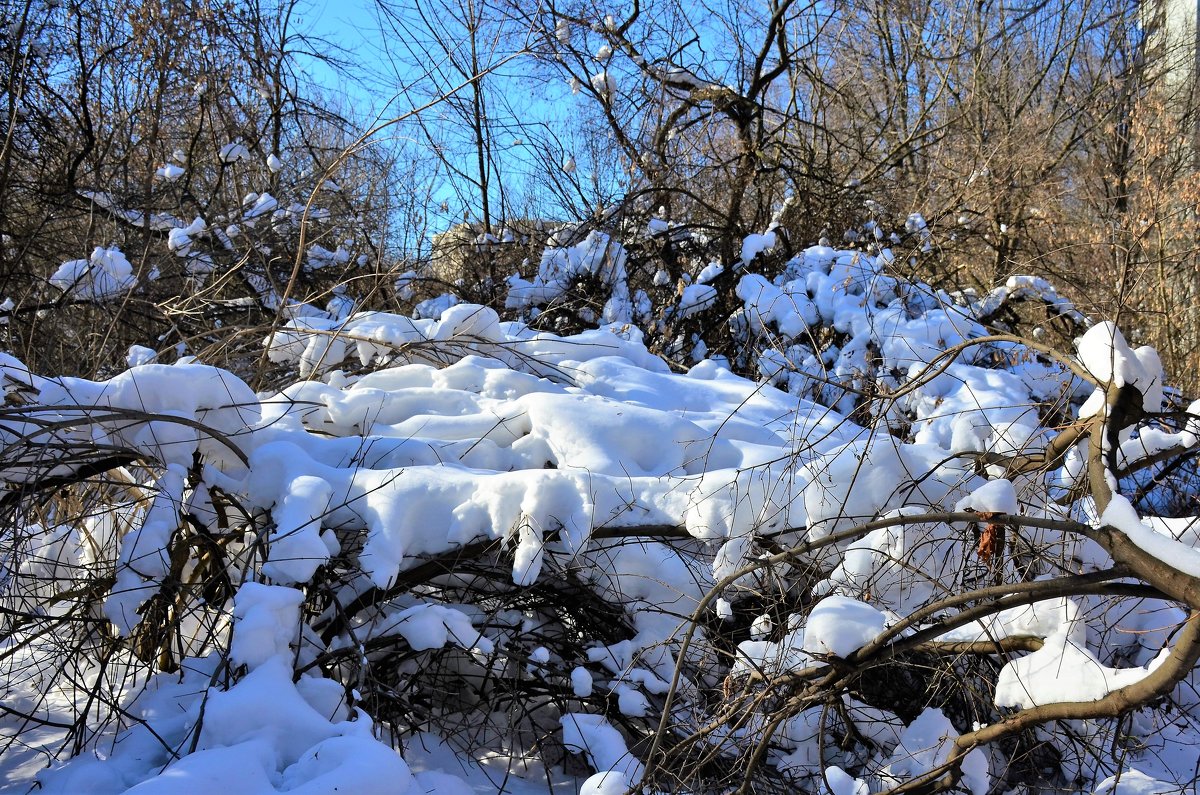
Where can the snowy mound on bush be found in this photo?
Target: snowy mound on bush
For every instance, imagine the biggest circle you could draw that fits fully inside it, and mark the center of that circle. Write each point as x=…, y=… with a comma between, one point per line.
x=556, y=551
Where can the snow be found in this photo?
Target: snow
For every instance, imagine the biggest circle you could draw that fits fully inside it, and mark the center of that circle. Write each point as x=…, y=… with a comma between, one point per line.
x=788, y=308
x=995, y=496
x=318, y=257
x=581, y=682
x=761, y=627
x=432, y=626
x=605, y=749
x=105, y=275
x=852, y=483
x=267, y=618
x=233, y=152
x=597, y=255
x=839, y=782
x=610, y=782
x=696, y=298
x=296, y=548
x=603, y=83
x=139, y=355
x=1063, y=670
x=258, y=204
x=753, y=245
x=399, y=444
x=170, y=172
x=1024, y=287
x=179, y=239
x=256, y=736
x=1109, y=359
x=710, y=271
x=1121, y=515
x=1132, y=781
x=926, y=743
x=895, y=565
x=1043, y=619
x=1105, y=354
x=839, y=626
x=159, y=222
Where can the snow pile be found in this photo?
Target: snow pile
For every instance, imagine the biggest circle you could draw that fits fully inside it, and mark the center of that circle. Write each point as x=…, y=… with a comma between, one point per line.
x=170, y=172
x=436, y=515
x=233, y=152
x=754, y=245
x=318, y=257
x=1107, y=357
x=598, y=257
x=995, y=496
x=604, y=83
x=927, y=743
x=258, y=204
x=696, y=298
x=840, y=626
x=264, y=733
x=1062, y=670
x=1020, y=287
x=179, y=239
x=102, y=277
x=606, y=752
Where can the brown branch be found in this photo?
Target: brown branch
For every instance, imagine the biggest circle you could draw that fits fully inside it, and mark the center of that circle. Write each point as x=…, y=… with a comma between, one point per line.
x=980, y=647
x=50, y=485
x=1158, y=683
x=1052, y=456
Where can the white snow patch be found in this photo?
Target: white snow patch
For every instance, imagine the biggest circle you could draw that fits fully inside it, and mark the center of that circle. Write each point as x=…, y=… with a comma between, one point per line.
x=839, y=626
x=102, y=277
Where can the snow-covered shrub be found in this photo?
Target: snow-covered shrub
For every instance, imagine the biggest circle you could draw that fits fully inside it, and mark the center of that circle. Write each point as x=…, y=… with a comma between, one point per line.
x=908, y=549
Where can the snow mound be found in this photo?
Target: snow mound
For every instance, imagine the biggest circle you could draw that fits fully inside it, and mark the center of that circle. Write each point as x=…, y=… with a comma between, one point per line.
x=839, y=626
x=102, y=277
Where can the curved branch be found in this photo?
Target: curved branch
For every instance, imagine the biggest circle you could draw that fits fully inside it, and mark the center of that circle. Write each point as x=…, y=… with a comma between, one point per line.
x=1158, y=683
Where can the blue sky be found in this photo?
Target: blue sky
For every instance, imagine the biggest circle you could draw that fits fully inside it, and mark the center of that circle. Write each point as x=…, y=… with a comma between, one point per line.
x=534, y=121
x=351, y=25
